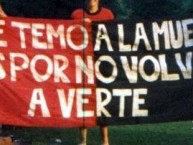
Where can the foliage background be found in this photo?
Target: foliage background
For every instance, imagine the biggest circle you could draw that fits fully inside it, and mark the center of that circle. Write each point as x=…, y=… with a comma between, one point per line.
x=122, y=8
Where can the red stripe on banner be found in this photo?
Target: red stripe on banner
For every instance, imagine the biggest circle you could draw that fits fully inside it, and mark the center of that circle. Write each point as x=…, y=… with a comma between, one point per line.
x=46, y=73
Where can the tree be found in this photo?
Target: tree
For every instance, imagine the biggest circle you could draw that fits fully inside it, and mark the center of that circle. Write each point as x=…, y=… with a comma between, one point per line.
x=121, y=8
x=186, y=8
x=149, y=9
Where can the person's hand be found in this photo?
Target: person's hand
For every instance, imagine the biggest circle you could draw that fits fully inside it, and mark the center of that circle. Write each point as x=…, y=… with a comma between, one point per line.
x=87, y=20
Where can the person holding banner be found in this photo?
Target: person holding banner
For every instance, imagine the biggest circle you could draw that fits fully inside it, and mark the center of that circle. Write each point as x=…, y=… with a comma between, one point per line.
x=93, y=12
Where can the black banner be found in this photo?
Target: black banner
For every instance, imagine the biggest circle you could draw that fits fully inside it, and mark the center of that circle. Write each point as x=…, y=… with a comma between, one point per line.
x=144, y=70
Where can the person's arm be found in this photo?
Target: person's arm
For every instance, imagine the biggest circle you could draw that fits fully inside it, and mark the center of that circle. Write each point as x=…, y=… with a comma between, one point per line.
x=2, y=13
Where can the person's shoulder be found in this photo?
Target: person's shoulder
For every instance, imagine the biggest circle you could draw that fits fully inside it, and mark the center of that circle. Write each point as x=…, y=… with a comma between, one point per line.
x=80, y=10
x=76, y=13
x=106, y=9
x=108, y=12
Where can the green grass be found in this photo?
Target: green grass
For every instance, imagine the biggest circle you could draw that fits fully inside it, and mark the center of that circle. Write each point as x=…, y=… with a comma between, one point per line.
x=177, y=133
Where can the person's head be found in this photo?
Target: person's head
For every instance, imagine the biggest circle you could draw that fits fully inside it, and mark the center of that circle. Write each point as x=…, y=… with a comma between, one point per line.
x=92, y=5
